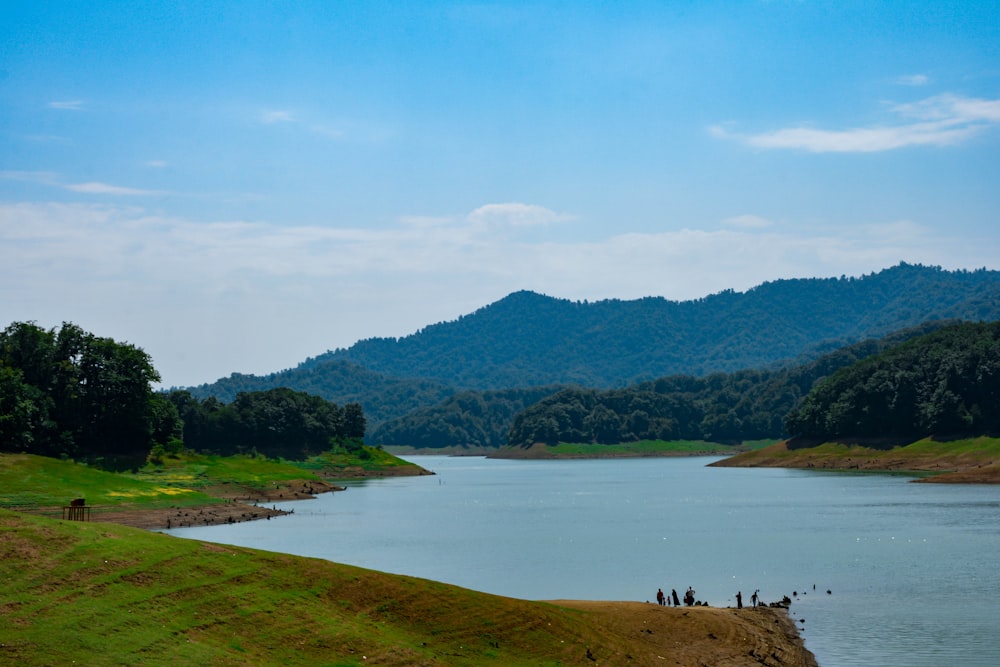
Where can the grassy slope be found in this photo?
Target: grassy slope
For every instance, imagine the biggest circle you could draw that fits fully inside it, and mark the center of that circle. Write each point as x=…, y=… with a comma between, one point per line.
x=965, y=460
x=27, y=480
x=102, y=594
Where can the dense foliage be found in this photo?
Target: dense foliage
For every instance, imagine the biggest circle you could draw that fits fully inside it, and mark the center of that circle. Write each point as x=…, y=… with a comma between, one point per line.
x=468, y=419
x=734, y=407
x=530, y=340
x=944, y=383
x=66, y=392
x=277, y=423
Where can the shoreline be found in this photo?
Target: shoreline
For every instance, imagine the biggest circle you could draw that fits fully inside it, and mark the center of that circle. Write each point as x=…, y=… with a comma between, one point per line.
x=927, y=461
x=237, y=503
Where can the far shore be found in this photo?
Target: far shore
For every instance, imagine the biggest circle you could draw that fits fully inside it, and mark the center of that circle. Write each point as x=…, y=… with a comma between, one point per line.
x=970, y=461
x=942, y=461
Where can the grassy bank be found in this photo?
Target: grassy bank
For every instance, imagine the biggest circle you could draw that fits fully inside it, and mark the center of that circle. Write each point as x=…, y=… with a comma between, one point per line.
x=186, y=488
x=102, y=594
x=972, y=460
x=29, y=481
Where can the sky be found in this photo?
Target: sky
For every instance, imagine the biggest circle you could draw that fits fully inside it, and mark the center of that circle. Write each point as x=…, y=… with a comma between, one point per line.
x=238, y=186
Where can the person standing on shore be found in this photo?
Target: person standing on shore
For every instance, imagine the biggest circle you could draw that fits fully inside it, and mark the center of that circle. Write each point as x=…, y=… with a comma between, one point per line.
x=659, y=596
x=673, y=594
x=739, y=599
x=754, y=599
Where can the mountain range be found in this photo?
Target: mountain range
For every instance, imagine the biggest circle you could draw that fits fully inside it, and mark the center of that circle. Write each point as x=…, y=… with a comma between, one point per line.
x=529, y=340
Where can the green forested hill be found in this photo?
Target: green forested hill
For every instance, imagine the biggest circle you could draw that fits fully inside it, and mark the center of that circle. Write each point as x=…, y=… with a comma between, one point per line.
x=470, y=419
x=944, y=383
x=721, y=407
x=531, y=340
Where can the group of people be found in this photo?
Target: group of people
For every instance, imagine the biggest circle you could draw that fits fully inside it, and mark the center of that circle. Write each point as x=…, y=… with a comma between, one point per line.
x=753, y=599
x=665, y=600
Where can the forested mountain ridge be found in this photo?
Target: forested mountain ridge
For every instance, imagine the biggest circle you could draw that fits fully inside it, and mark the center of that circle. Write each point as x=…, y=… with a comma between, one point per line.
x=527, y=339
x=531, y=340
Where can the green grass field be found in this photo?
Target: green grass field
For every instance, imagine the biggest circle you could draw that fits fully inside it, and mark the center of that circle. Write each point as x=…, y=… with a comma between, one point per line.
x=101, y=594
x=37, y=481
x=185, y=480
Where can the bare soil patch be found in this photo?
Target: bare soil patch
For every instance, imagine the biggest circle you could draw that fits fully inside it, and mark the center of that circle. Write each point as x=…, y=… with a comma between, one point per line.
x=654, y=635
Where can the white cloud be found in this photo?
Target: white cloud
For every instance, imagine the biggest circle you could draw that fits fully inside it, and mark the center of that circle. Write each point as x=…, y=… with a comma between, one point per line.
x=269, y=117
x=208, y=299
x=69, y=105
x=156, y=164
x=96, y=188
x=952, y=109
x=282, y=116
x=913, y=80
x=943, y=120
x=90, y=188
x=516, y=214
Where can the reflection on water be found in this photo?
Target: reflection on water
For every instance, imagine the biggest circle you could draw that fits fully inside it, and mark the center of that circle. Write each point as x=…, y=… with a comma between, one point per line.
x=911, y=568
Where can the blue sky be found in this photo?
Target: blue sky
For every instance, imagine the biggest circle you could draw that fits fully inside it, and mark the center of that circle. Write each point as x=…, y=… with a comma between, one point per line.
x=236, y=186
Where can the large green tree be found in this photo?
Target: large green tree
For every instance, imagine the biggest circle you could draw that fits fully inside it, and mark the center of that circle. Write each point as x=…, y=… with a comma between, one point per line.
x=68, y=392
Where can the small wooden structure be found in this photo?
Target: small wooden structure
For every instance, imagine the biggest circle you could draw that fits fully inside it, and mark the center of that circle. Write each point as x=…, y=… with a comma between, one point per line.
x=77, y=510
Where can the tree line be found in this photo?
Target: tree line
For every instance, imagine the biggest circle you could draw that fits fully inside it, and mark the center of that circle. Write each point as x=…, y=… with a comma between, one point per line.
x=65, y=392
x=940, y=382
x=277, y=423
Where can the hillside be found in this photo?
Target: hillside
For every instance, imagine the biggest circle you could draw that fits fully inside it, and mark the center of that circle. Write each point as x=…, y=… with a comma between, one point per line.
x=101, y=594
x=528, y=339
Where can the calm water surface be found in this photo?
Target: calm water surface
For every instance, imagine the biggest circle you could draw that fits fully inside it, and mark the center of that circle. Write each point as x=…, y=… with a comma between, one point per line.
x=912, y=569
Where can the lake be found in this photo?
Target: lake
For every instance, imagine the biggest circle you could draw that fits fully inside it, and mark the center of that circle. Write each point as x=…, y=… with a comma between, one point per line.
x=911, y=569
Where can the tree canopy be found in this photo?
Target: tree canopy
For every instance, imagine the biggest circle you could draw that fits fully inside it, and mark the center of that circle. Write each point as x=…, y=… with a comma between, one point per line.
x=68, y=392
x=722, y=407
x=944, y=383
x=278, y=422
